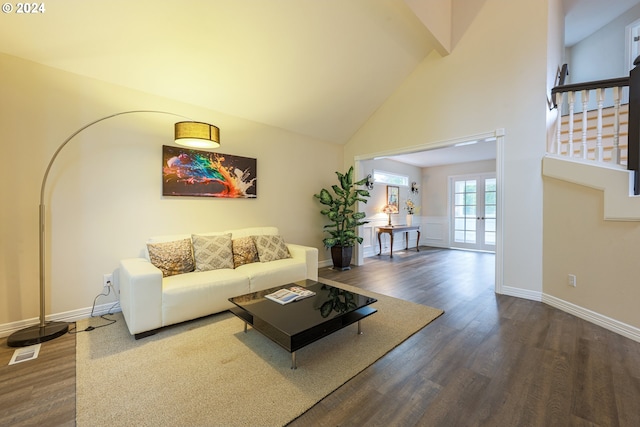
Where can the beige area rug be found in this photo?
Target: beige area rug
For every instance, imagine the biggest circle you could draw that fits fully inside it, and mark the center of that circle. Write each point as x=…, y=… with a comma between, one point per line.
x=208, y=372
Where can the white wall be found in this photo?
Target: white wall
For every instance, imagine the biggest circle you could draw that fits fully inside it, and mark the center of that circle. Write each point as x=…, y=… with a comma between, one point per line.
x=602, y=55
x=494, y=78
x=435, y=189
x=104, y=191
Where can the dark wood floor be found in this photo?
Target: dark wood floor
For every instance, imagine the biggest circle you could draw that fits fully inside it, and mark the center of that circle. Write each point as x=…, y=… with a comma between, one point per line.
x=490, y=360
x=40, y=392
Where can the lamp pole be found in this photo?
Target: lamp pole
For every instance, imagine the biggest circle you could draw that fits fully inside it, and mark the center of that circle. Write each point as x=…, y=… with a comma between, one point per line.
x=45, y=331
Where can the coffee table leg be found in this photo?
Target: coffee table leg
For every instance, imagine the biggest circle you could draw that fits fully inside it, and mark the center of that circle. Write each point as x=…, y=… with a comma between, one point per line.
x=359, y=329
x=245, y=327
x=293, y=361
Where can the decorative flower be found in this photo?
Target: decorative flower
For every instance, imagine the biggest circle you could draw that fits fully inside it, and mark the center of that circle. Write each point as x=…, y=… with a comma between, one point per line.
x=410, y=206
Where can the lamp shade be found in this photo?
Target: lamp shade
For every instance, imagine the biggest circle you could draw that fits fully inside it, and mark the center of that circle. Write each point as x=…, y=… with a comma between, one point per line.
x=197, y=134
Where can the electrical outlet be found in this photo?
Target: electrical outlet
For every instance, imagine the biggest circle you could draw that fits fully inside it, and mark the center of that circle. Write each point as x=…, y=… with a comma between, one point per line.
x=572, y=280
x=106, y=279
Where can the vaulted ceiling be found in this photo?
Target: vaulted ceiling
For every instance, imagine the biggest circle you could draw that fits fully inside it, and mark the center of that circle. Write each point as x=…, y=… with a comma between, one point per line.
x=318, y=68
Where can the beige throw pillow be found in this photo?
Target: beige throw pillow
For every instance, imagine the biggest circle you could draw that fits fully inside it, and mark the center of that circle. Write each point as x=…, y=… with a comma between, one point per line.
x=271, y=248
x=244, y=251
x=173, y=257
x=212, y=252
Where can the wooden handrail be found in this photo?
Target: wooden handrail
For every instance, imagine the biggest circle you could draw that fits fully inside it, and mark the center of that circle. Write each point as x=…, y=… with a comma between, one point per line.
x=602, y=84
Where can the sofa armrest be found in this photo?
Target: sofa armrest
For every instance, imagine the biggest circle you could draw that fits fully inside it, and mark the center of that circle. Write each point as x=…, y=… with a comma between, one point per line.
x=140, y=294
x=309, y=255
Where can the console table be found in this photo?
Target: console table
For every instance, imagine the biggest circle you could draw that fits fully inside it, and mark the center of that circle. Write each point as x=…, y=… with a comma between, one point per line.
x=393, y=229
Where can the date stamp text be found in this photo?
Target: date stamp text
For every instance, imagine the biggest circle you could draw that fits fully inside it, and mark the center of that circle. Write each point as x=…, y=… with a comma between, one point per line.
x=24, y=8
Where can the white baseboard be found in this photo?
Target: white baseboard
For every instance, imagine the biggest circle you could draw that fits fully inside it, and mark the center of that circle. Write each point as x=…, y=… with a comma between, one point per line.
x=69, y=316
x=608, y=323
x=522, y=293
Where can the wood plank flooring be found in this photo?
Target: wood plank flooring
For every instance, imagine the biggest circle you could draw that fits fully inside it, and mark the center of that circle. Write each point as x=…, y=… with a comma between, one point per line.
x=40, y=392
x=490, y=360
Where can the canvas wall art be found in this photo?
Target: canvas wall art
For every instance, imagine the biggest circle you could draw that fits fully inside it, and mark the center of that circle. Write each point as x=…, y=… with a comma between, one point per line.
x=188, y=172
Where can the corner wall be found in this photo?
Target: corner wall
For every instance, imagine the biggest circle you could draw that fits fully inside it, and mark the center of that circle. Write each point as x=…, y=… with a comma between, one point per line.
x=603, y=255
x=496, y=77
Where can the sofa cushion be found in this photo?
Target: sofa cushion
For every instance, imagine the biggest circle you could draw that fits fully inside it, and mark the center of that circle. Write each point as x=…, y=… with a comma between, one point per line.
x=271, y=248
x=212, y=252
x=265, y=275
x=201, y=293
x=244, y=251
x=174, y=257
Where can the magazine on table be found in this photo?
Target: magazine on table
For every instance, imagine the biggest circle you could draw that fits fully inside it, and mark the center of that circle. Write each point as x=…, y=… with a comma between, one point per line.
x=294, y=293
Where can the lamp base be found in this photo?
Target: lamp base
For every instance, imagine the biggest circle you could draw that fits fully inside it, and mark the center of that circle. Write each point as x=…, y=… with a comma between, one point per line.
x=37, y=334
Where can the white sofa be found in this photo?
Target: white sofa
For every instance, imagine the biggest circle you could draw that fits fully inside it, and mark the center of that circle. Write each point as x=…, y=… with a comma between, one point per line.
x=150, y=301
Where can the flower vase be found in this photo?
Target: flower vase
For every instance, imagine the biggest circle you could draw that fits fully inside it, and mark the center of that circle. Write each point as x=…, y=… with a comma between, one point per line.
x=409, y=219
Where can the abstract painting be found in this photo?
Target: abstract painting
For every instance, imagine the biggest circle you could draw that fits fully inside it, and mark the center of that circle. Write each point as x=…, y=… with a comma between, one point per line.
x=187, y=172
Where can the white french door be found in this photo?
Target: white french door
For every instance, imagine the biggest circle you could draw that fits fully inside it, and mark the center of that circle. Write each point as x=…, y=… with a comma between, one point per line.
x=473, y=212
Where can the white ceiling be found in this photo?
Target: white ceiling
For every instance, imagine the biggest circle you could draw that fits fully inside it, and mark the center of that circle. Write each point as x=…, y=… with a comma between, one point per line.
x=448, y=155
x=317, y=68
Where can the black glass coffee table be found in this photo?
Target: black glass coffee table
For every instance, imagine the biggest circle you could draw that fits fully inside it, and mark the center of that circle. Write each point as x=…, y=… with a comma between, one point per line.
x=299, y=323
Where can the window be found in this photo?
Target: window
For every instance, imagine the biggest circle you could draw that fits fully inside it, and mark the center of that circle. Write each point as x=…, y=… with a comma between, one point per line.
x=388, y=178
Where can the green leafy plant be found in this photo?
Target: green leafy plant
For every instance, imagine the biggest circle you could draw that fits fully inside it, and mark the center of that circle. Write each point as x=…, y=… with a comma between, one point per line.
x=341, y=212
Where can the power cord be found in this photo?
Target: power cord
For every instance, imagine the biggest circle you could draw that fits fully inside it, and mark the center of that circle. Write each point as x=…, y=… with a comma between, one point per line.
x=102, y=316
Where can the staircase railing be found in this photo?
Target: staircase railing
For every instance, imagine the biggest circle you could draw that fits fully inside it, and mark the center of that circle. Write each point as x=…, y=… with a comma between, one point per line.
x=608, y=97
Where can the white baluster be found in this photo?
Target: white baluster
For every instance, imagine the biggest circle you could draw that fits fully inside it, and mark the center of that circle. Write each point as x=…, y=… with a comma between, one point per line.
x=559, y=100
x=572, y=103
x=585, y=103
x=615, y=152
x=600, y=100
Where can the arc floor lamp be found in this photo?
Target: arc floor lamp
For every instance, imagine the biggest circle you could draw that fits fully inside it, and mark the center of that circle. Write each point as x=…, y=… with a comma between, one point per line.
x=187, y=133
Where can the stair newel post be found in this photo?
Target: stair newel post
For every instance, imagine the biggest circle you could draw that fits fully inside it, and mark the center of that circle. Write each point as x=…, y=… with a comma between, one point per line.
x=633, y=162
x=584, y=95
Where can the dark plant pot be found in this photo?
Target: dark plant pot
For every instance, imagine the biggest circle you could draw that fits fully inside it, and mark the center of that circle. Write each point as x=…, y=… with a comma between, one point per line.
x=341, y=256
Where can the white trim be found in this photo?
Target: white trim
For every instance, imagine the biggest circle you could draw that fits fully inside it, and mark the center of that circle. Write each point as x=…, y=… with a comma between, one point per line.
x=521, y=293
x=608, y=323
x=430, y=145
x=500, y=142
x=69, y=316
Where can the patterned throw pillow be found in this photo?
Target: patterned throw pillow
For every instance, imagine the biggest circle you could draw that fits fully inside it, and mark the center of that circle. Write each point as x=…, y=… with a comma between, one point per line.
x=212, y=252
x=173, y=257
x=271, y=248
x=244, y=251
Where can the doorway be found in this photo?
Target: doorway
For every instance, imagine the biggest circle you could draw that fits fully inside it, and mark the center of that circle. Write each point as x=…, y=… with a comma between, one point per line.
x=494, y=227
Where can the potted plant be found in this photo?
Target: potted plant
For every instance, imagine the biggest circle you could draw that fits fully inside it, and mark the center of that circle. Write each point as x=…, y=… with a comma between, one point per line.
x=343, y=216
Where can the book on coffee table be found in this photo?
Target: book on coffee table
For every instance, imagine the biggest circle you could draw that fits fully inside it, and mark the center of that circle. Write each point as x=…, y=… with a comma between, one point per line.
x=294, y=293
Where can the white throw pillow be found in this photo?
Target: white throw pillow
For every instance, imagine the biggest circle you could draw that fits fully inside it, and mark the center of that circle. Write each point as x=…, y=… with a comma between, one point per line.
x=212, y=252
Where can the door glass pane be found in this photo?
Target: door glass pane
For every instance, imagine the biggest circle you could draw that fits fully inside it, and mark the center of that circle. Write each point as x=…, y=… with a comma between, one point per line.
x=465, y=201
x=490, y=195
x=470, y=236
